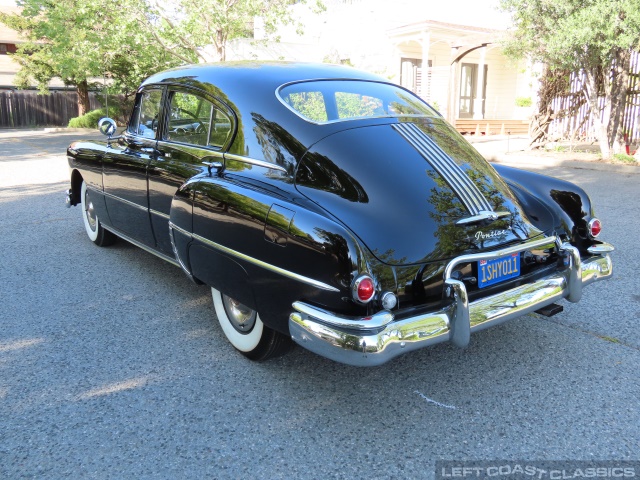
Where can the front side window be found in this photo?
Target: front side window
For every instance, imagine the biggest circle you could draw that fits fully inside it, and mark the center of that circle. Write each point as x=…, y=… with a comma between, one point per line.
x=325, y=101
x=196, y=121
x=145, y=119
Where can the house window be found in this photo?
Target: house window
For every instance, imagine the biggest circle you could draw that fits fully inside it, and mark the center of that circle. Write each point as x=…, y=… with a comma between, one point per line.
x=469, y=89
x=3, y=48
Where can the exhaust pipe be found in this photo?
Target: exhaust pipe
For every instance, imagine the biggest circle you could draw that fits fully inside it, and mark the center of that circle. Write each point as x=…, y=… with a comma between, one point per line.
x=550, y=310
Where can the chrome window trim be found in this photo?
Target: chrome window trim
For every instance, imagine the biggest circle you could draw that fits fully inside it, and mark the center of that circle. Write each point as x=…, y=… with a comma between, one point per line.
x=255, y=261
x=351, y=119
x=199, y=151
x=254, y=161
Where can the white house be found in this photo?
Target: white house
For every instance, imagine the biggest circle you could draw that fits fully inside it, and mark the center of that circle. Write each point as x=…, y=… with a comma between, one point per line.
x=459, y=68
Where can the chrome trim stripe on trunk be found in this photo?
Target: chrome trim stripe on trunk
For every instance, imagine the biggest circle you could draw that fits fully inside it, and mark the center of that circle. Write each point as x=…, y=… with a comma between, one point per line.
x=255, y=261
x=460, y=182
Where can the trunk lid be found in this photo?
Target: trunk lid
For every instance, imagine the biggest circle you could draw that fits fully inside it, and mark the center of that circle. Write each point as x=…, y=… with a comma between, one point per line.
x=406, y=190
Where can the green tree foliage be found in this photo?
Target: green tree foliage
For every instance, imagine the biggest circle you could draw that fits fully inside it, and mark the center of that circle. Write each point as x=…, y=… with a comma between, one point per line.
x=79, y=40
x=184, y=27
x=592, y=36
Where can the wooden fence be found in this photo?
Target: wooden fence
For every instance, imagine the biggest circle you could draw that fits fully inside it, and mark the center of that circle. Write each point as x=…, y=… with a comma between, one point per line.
x=580, y=124
x=28, y=109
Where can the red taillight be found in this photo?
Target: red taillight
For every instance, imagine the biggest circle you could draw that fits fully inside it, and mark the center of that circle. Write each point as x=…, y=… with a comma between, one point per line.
x=595, y=227
x=363, y=289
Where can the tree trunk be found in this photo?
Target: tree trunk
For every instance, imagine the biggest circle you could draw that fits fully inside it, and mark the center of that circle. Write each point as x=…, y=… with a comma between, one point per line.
x=619, y=92
x=600, y=116
x=83, y=98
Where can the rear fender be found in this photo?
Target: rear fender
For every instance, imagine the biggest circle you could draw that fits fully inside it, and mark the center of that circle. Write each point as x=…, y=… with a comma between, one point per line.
x=267, y=251
x=552, y=203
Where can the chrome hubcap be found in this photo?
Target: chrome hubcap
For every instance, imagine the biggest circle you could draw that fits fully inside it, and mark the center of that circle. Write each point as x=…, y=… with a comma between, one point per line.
x=89, y=212
x=241, y=317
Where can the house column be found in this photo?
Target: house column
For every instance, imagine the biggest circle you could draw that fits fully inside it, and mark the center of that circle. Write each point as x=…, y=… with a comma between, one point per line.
x=426, y=43
x=452, y=103
x=478, y=101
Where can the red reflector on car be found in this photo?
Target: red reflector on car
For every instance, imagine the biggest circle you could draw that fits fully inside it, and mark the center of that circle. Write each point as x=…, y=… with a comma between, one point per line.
x=595, y=227
x=365, y=290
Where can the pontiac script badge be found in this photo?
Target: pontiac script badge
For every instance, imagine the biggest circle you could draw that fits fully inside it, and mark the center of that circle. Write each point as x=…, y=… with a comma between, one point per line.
x=491, y=234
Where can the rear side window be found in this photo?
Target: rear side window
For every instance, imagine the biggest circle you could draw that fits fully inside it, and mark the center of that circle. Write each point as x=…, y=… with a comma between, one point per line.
x=325, y=101
x=195, y=120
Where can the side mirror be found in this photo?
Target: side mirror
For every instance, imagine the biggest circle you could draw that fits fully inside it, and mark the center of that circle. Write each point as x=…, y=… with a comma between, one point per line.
x=107, y=126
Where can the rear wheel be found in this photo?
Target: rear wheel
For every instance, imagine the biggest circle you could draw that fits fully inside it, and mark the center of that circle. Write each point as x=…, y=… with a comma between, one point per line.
x=246, y=332
x=96, y=232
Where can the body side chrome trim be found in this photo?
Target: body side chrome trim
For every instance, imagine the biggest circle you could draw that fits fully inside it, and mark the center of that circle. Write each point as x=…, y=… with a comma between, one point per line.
x=159, y=214
x=254, y=161
x=127, y=202
x=132, y=204
x=255, y=261
x=142, y=246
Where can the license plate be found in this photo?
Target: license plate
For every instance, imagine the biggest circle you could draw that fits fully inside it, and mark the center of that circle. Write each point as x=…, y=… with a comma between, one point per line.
x=498, y=269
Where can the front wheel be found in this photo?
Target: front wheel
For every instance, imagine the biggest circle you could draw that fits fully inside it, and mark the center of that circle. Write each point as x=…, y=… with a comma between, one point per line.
x=246, y=332
x=96, y=232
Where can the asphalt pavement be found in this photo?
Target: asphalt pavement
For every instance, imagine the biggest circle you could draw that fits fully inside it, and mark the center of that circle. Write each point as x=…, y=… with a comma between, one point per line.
x=112, y=364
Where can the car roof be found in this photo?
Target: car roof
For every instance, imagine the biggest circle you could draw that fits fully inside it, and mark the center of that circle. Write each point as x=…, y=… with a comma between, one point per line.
x=243, y=75
x=266, y=129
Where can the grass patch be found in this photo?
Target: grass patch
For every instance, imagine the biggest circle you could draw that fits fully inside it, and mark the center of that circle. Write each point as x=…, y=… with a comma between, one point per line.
x=609, y=339
x=624, y=158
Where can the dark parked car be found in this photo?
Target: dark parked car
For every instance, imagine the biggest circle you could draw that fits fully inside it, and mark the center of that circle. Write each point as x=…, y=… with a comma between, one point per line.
x=326, y=205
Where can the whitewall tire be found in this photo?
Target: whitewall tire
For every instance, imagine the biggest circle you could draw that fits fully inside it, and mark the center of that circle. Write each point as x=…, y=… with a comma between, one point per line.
x=95, y=231
x=245, y=331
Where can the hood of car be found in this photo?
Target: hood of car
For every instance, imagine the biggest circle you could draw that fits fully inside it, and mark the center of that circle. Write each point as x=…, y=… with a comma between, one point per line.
x=412, y=191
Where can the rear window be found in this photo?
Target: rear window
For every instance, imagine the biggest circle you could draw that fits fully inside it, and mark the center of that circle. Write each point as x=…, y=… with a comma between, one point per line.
x=325, y=101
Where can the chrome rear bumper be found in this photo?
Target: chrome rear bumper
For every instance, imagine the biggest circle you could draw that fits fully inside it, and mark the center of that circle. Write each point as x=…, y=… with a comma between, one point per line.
x=379, y=338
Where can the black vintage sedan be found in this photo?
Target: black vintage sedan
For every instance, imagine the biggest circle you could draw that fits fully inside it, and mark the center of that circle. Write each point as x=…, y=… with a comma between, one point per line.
x=327, y=206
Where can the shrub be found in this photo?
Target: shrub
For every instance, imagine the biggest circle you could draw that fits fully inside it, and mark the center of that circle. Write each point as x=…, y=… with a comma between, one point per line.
x=90, y=119
x=523, y=101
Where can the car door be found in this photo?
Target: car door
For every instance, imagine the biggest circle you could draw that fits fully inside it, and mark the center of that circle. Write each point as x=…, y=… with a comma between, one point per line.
x=196, y=130
x=125, y=169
